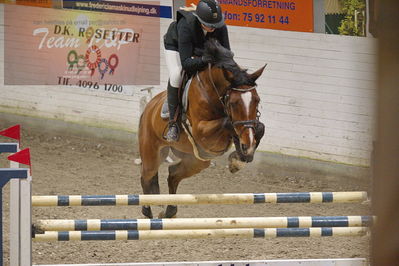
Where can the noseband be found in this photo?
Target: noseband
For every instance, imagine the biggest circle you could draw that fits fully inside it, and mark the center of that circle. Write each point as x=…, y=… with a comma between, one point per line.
x=227, y=109
x=224, y=100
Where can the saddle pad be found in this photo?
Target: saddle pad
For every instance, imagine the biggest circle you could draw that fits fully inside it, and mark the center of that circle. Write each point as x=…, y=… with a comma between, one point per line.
x=165, y=107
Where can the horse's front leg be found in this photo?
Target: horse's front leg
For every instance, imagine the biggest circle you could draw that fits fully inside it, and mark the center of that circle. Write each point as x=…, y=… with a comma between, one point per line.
x=236, y=159
x=213, y=134
x=188, y=166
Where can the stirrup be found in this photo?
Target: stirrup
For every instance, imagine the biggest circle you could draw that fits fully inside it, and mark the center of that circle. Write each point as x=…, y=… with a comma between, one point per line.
x=173, y=132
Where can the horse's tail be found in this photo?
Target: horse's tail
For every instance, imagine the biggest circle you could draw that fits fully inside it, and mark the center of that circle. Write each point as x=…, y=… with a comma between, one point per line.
x=138, y=131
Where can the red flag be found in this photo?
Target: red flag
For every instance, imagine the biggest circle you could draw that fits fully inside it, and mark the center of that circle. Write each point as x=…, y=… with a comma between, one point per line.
x=21, y=157
x=13, y=132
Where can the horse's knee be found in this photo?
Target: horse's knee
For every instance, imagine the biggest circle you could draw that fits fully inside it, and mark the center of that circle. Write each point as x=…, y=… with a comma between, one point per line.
x=204, y=164
x=199, y=166
x=187, y=169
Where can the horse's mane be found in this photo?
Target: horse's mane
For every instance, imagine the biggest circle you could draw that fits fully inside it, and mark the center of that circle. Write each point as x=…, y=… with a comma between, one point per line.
x=223, y=58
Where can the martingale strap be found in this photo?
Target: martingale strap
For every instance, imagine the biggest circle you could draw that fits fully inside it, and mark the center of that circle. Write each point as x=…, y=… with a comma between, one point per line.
x=199, y=152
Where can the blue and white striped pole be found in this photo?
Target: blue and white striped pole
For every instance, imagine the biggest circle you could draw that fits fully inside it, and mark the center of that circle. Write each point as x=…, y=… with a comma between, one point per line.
x=203, y=223
x=200, y=234
x=191, y=199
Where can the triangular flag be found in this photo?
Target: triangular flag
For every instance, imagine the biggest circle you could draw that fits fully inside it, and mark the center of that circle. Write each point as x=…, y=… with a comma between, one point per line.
x=21, y=157
x=13, y=132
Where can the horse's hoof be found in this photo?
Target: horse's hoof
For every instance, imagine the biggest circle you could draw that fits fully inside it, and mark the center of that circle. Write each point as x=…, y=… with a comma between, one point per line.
x=171, y=211
x=161, y=215
x=146, y=211
x=233, y=169
x=235, y=164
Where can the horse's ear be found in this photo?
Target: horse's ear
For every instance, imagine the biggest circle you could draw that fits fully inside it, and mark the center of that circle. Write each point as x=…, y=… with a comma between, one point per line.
x=254, y=76
x=228, y=75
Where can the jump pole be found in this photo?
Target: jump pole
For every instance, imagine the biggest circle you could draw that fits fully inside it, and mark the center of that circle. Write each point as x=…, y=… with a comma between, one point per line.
x=199, y=234
x=20, y=209
x=191, y=199
x=25, y=249
x=203, y=223
x=301, y=262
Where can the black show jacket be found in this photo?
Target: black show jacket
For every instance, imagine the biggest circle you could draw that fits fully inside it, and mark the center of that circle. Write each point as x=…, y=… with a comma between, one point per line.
x=186, y=35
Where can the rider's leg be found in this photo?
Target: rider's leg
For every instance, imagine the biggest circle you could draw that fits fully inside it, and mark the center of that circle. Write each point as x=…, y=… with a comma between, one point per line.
x=173, y=132
x=172, y=59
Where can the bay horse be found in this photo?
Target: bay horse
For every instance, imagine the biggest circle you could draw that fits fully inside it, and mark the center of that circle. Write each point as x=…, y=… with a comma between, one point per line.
x=222, y=109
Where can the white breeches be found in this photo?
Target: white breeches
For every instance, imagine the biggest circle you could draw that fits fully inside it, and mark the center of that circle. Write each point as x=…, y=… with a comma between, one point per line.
x=174, y=67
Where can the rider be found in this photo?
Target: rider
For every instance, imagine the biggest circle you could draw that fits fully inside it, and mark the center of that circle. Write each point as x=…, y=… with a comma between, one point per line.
x=193, y=27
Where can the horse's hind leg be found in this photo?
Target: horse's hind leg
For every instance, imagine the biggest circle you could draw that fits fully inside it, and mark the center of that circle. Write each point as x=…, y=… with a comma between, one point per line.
x=151, y=159
x=150, y=186
x=188, y=166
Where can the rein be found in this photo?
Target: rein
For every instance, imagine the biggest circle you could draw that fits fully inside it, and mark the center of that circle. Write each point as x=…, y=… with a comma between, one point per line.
x=224, y=100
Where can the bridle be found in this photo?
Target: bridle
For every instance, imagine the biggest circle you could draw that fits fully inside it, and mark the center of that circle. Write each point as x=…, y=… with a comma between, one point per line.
x=224, y=100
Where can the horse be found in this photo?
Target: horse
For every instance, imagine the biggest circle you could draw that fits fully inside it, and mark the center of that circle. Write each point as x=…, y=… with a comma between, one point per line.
x=222, y=110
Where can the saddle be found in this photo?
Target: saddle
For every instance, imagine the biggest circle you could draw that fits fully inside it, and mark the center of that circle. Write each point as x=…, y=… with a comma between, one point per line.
x=182, y=95
x=182, y=99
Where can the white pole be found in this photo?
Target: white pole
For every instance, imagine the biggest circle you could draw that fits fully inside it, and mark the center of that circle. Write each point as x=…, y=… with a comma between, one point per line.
x=15, y=193
x=20, y=219
x=26, y=221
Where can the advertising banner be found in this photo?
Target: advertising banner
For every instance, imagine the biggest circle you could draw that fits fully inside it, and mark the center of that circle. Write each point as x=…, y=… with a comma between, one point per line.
x=95, y=50
x=121, y=7
x=292, y=15
x=38, y=3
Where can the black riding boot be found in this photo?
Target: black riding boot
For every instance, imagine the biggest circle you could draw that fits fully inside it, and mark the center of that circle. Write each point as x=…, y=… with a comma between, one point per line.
x=173, y=133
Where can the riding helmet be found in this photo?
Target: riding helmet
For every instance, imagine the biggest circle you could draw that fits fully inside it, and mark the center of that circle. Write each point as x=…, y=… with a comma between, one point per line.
x=209, y=13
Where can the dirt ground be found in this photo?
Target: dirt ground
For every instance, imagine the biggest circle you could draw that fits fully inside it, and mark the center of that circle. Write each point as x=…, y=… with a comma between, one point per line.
x=65, y=164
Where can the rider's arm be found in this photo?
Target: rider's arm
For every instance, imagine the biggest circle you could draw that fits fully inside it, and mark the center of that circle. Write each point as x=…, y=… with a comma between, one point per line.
x=224, y=37
x=188, y=63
